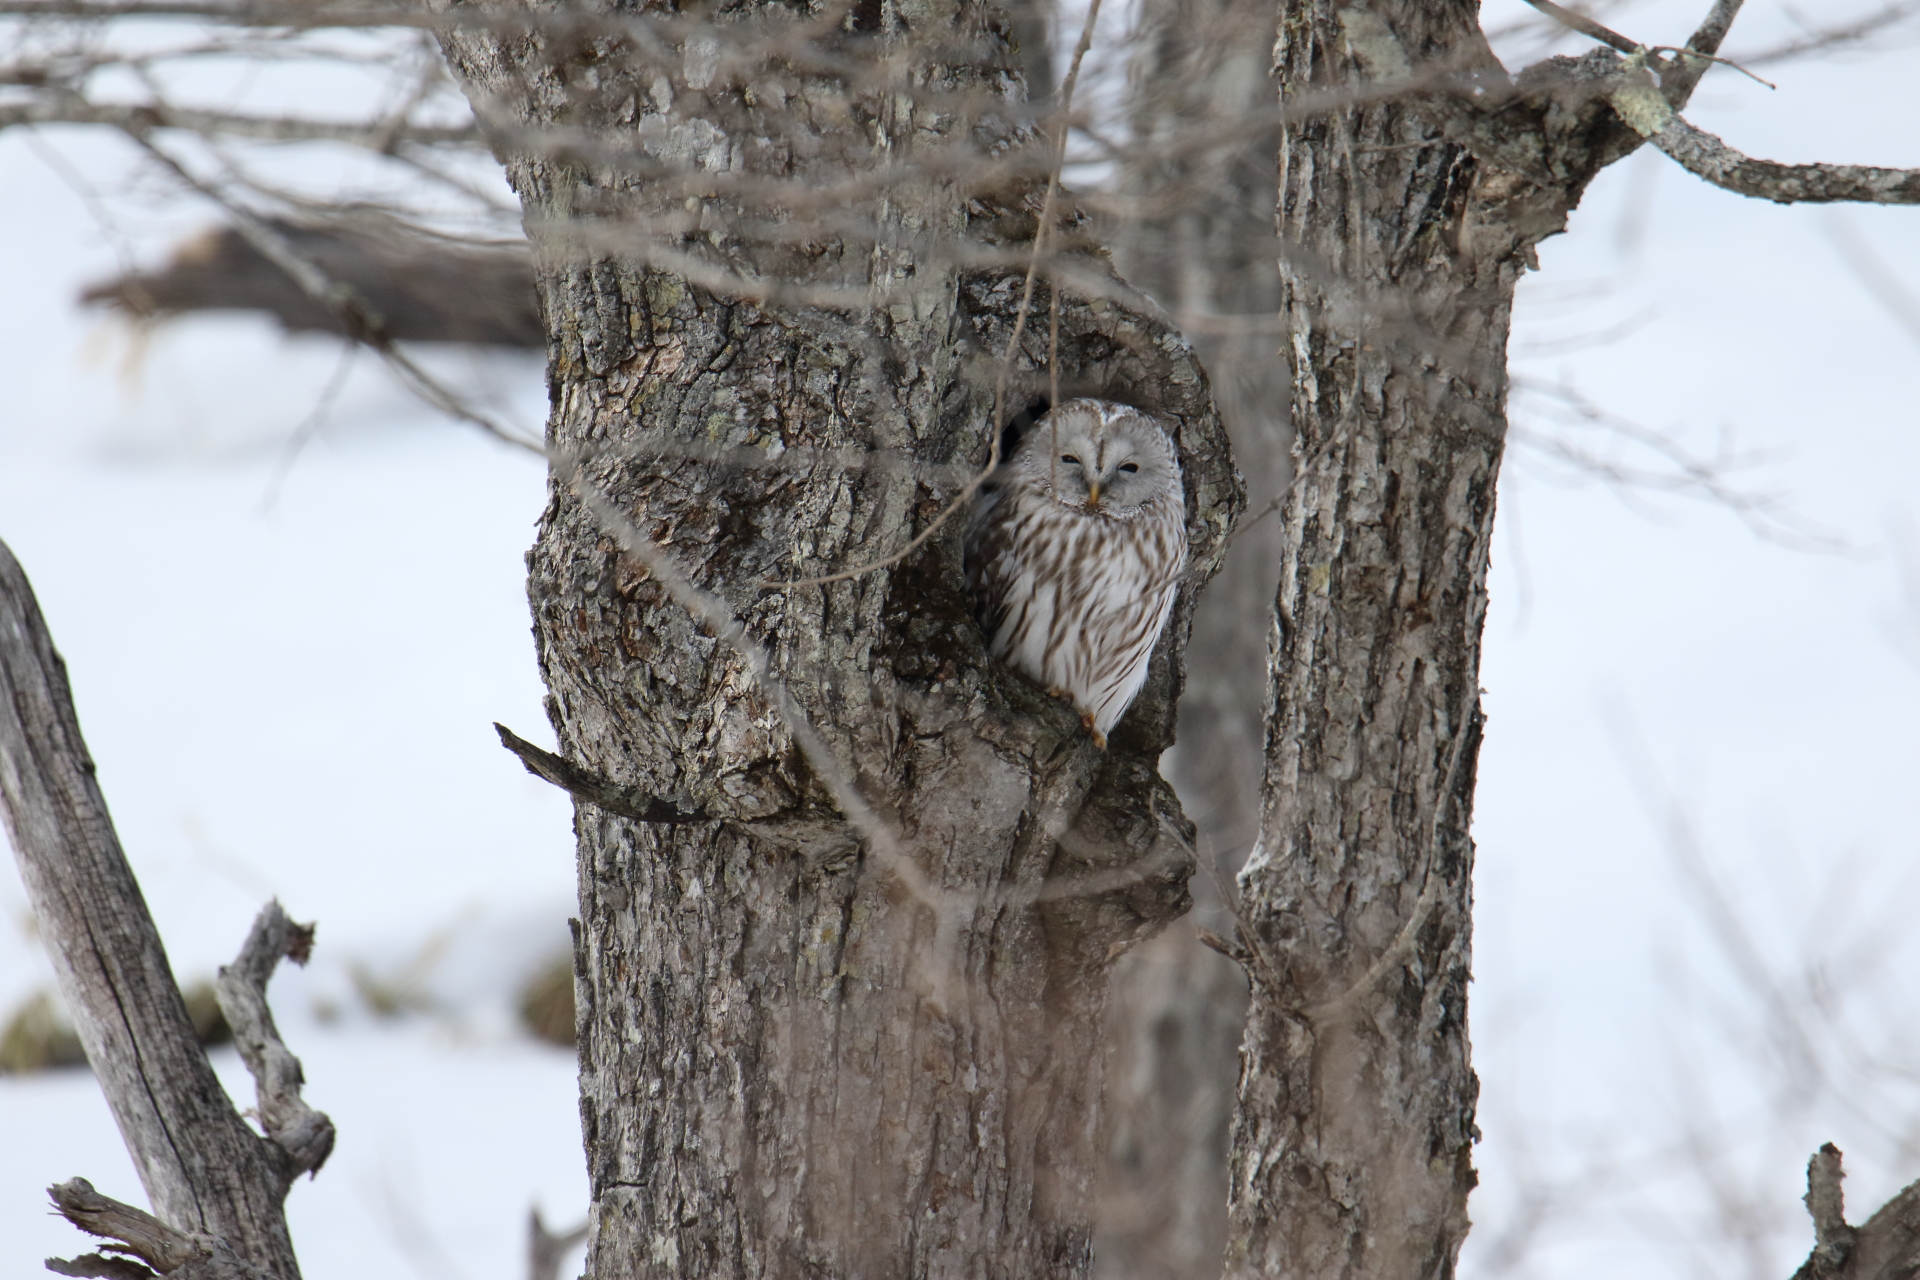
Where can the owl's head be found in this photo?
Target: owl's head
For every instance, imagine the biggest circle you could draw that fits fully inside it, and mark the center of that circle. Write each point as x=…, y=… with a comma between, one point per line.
x=1099, y=456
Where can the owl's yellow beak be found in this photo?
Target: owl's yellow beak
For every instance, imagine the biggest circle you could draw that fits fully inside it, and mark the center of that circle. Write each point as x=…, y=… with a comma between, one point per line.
x=1093, y=493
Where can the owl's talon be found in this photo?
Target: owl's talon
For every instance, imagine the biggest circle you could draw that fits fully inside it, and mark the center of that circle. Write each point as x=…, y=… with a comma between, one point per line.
x=1086, y=722
x=1055, y=691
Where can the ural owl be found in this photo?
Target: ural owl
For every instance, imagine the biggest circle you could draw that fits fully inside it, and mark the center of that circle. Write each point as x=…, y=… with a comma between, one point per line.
x=1075, y=552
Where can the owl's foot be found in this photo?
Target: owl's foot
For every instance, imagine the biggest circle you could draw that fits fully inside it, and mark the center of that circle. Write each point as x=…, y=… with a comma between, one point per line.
x=1099, y=738
x=1055, y=691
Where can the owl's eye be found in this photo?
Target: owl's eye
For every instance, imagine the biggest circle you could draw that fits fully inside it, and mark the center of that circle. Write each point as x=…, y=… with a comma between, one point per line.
x=1129, y=467
x=1069, y=459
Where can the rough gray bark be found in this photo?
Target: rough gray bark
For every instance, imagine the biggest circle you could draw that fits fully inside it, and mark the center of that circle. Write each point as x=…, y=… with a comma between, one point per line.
x=814, y=1042
x=1408, y=216
x=204, y=1170
x=1191, y=224
x=1885, y=1247
x=1352, y=1141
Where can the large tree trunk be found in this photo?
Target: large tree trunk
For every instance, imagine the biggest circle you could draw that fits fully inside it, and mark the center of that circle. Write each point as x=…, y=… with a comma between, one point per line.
x=1355, y=1123
x=817, y=1041
x=1353, y=1149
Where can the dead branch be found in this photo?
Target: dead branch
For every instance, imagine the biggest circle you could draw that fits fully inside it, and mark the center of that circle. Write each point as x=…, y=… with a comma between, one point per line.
x=422, y=290
x=546, y=1250
x=203, y=1169
x=1885, y=1247
x=188, y=1255
x=305, y=1135
x=1833, y=1238
x=628, y=802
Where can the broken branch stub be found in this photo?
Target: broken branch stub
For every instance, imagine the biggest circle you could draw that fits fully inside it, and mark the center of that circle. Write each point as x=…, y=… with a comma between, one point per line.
x=185, y=1255
x=1884, y=1247
x=304, y=1135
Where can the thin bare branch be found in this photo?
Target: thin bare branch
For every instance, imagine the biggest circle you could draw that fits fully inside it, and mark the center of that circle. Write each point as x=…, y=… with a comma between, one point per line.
x=1683, y=472
x=1826, y=39
x=1876, y=276
x=546, y=1250
x=362, y=323
x=69, y=108
x=629, y=802
x=1646, y=111
x=1587, y=26
x=305, y=1135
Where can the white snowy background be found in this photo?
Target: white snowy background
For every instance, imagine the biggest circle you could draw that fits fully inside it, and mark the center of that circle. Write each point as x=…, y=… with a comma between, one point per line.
x=287, y=670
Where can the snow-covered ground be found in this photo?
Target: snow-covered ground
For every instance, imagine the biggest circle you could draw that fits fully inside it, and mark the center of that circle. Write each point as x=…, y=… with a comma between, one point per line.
x=287, y=673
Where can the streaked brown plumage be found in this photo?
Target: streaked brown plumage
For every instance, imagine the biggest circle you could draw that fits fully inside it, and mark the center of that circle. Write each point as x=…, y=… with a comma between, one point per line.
x=1075, y=552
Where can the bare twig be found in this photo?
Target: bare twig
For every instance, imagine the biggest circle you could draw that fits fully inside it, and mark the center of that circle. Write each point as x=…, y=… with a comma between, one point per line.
x=1824, y=39
x=1587, y=26
x=305, y=1135
x=1690, y=55
x=546, y=1250
x=1683, y=471
x=629, y=802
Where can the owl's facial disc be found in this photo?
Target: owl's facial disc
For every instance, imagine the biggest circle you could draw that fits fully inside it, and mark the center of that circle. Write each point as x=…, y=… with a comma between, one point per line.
x=1100, y=458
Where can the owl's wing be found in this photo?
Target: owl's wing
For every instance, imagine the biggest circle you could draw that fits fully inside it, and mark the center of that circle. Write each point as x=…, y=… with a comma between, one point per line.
x=990, y=559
